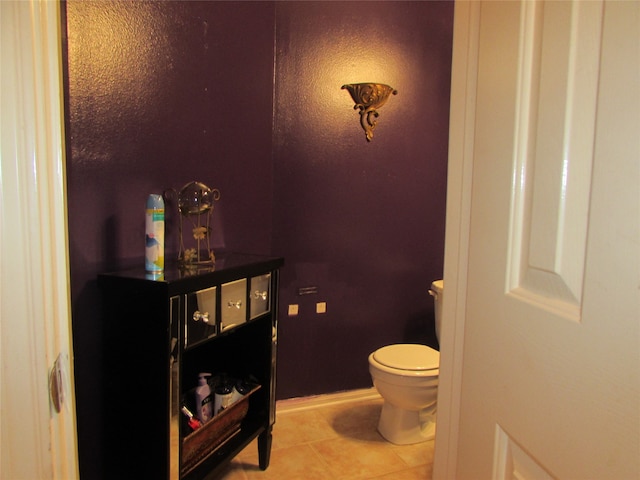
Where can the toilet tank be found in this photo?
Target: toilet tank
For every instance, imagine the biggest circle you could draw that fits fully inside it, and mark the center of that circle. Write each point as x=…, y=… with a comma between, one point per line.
x=436, y=292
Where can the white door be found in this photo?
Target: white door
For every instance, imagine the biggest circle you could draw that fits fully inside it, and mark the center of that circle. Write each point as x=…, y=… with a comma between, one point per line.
x=547, y=367
x=38, y=439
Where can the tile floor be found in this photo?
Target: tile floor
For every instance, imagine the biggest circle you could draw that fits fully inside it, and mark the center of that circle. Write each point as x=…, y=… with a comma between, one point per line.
x=333, y=441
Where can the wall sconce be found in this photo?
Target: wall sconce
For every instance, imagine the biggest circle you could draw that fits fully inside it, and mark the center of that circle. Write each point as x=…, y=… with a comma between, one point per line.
x=368, y=98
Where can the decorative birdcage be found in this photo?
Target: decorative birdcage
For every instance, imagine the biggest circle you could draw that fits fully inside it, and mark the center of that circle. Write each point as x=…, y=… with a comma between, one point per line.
x=195, y=204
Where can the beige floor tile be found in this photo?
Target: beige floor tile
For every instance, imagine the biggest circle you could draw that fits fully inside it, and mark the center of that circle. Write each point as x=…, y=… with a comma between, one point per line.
x=353, y=419
x=417, y=454
x=235, y=471
x=297, y=462
x=334, y=442
x=250, y=450
x=297, y=428
x=357, y=459
x=417, y=473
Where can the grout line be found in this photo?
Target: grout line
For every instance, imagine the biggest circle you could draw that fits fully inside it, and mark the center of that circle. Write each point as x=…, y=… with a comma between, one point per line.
x=306, y=403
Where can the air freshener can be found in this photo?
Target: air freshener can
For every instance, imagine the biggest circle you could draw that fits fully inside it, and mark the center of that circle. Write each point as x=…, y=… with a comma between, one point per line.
x=154, y=234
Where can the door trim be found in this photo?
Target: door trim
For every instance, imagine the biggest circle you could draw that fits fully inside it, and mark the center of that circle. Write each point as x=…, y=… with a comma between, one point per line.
x=36, y=315
x=461, y=139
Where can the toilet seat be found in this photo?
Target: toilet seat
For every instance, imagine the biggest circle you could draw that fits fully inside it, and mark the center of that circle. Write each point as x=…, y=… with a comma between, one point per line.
x=408, y=357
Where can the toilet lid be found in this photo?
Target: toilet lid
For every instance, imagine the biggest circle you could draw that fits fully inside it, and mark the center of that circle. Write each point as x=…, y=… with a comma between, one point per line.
x=408, y=357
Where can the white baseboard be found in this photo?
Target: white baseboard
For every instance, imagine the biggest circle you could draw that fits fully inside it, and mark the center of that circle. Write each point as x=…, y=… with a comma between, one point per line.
x=306, y=403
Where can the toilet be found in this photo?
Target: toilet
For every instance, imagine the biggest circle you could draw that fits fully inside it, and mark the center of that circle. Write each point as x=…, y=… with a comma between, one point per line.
x=406, y=376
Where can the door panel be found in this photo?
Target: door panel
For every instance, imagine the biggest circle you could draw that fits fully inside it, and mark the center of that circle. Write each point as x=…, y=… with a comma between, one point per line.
x=551, y=372
x=555, y=113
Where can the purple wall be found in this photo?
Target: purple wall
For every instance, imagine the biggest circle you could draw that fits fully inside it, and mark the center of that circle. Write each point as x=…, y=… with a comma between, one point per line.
x=363, y=222
x=159, y=94
x=162, y=93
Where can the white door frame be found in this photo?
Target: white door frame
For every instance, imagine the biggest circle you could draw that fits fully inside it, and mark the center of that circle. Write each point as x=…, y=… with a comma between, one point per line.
x=460, y=169
x=35, y=322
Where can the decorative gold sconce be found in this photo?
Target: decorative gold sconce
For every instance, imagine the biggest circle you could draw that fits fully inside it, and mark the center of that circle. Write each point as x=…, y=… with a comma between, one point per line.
x=369, y=97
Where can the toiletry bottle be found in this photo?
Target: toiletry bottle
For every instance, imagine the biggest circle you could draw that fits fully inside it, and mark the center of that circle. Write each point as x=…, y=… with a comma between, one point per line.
x=240, y=389
x=154, y=230
x=204, y=408
x=223, y=396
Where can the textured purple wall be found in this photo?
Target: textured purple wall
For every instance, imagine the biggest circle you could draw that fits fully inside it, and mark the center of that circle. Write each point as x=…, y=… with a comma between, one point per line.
x=162, y=93
x=363, y=222
x=159, y=94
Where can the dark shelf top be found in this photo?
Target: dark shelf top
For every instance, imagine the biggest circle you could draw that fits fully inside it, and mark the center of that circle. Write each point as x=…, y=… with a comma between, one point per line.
x=228, y=266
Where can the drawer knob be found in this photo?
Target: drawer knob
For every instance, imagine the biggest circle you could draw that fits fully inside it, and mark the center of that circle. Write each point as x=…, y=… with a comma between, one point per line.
x=237, y=304
x=197, y=316
x=257, y=294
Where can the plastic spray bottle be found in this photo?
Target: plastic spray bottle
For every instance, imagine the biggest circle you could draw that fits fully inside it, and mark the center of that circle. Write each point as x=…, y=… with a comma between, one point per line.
x=154, y=251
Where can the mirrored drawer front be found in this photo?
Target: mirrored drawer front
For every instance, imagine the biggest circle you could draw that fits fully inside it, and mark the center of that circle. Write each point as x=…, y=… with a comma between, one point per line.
x=260, y=295
x=234, y=304
x=200, y=323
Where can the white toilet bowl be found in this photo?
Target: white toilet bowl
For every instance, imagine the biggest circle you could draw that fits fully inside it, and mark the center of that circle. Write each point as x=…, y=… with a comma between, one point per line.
x=406, y=376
